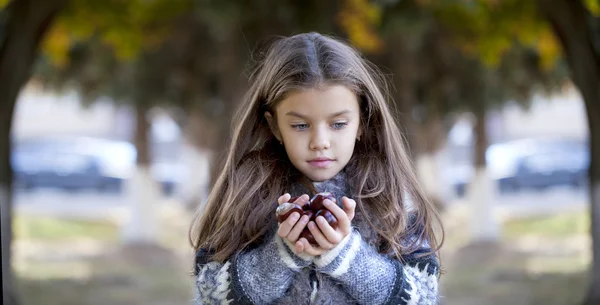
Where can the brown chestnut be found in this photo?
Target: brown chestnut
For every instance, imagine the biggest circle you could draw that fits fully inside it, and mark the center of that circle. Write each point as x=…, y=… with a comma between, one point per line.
x=305, y=206
x=312, y=209
x=309, y=237
x=310, y=214
x=316, y=203
x=331, y=220
x=286, y=209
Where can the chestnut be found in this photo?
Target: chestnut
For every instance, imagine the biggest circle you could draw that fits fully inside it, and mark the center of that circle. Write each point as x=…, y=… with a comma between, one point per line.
x=331, y=220
x=312, y=209
x=305, y=207
x=309, y=237
x=286, y=209
x=316, y=203
x=310, y=214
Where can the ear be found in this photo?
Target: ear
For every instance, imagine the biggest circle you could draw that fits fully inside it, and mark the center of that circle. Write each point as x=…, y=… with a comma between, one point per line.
x=359, y=133
x=273, y=125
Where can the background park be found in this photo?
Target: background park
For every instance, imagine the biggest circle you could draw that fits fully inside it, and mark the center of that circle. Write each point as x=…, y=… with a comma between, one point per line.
x=114, y=117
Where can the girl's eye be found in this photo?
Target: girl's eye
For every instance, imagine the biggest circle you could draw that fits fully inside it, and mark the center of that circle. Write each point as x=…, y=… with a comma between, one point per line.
x=300, y=127
x=339, y=125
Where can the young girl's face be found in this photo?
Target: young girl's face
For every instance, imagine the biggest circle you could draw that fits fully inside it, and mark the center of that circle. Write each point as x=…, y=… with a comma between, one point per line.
x=318, y=128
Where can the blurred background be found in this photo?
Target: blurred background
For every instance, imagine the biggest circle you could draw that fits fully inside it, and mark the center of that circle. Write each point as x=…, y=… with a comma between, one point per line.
x=115, y=116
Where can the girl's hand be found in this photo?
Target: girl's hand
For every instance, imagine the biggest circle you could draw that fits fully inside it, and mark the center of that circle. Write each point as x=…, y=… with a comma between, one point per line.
x=291, y=228
x=324, y=234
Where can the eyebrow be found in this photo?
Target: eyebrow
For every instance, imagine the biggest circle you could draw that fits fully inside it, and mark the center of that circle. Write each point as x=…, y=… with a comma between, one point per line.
x=293, y=113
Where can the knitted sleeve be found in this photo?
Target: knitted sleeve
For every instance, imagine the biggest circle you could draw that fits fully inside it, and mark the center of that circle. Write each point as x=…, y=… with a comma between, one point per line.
x=374, y=278
x=258, y=276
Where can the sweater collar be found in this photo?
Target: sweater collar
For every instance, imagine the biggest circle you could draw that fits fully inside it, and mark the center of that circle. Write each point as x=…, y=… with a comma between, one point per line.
x=337, y=185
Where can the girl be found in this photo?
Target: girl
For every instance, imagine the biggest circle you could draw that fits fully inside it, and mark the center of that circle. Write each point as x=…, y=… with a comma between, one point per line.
x=315, y=120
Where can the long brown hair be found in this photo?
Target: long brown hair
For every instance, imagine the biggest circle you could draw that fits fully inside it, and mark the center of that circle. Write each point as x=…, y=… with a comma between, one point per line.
x=242, y=203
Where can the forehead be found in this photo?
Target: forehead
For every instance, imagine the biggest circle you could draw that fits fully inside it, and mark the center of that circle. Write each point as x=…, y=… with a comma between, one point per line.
x=317, y=102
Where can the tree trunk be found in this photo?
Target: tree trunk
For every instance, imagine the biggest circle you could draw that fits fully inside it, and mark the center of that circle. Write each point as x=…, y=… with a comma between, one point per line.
x=578, y=32
x=142, y=191
x=481, y=139
x=200, y=137
x=430, y=137
x=425, y=136
x=141, y=137
x=219, y=150
x=398, y=58
x=25, y=24
x=484, y=226
x=229, y=81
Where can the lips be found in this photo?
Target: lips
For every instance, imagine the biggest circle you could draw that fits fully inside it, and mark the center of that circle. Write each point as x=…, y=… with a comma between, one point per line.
x=320, y=162
x=320, y=159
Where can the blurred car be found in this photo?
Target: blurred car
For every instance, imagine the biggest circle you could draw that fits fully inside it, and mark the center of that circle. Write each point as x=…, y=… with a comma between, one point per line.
x=54, y=169
x=533, y=164
x=169, y=174
x=80, y=163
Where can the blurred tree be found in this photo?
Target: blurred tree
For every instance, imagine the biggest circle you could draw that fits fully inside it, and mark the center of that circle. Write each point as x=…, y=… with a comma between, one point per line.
x=107, y=48
x=489, y=29
x=577, y=26
x=23, y=24
x=244, y=29
x=194, y=72
x=435, y=78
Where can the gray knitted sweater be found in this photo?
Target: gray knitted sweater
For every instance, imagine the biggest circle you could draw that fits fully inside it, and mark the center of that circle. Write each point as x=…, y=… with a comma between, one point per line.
x=354, y=272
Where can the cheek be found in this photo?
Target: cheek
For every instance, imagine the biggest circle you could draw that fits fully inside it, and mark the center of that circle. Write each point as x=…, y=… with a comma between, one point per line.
x=293, y=145
x=352, y=134
x=350, y=139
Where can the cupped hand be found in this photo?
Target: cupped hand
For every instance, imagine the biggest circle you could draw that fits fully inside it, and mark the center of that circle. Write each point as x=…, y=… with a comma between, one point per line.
x=291, y=228
x=327, y=237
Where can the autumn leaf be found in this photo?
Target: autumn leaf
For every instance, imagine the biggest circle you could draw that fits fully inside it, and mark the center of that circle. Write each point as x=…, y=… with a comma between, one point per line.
x=56, y=45
x=359, y=19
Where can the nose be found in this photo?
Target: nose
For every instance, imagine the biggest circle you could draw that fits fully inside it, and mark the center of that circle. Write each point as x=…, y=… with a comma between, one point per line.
x=319, y=139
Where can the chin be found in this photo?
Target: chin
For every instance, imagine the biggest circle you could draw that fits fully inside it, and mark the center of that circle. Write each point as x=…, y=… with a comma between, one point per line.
x=320, y=177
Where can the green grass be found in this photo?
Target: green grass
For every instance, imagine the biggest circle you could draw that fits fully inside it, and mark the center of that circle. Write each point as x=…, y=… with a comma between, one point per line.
x=117, y=278
x=500, y=275
x=561, y=225
x=69, y=262
x=47, y=228
x=538, y=261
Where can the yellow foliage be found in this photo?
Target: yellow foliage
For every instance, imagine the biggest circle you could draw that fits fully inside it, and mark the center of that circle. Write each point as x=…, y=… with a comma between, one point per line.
x=593, y=6
x=424, y=2
x=128, y=27
x=492, y=50
x=125, y=44
x=487, y=29
x=4, y=3
x=549, y=50
x=56, y=45
x=359, y=19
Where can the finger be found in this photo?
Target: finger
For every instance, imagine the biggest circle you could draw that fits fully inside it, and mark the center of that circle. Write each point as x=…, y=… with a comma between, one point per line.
x=299, y=246
x=284, y=198
x=310, y=249
x=349, y=207
x=319, y=237
x=294, y=234
x=340, y=215
x=333, y=207
x=287, y=226
x=302, y=200
x=332, y=235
